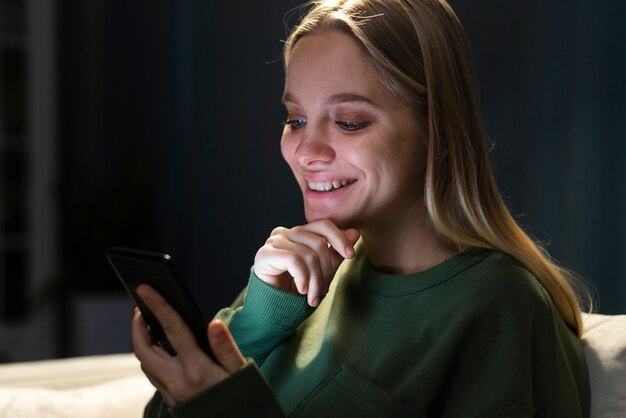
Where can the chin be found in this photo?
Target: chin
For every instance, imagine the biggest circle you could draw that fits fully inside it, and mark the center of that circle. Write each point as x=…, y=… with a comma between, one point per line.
x=342, y=222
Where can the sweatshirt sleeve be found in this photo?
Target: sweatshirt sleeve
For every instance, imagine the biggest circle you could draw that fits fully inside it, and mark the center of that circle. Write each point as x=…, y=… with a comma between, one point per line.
x=244, y=394
x=267, y=317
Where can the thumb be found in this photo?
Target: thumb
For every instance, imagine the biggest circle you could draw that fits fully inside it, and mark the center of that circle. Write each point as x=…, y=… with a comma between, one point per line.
x=224, y=347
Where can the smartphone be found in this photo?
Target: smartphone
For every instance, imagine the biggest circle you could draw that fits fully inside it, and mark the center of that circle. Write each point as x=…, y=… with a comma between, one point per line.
x=136, y=267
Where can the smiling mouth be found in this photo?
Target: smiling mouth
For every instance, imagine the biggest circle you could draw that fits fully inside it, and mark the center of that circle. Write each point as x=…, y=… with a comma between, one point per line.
x=328, y=186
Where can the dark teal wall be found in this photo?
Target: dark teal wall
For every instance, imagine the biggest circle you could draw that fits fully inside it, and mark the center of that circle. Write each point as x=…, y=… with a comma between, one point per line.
x=553, y=85
x=184, y=99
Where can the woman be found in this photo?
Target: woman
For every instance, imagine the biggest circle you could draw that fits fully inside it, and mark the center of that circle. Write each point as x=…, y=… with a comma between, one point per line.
x=411, y=291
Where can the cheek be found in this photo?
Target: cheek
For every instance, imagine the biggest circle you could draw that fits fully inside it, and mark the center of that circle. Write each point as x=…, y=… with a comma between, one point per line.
x=288, y=150
x=399, y=165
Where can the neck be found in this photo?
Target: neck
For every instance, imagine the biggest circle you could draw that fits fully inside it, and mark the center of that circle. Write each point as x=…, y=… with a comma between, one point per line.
x=409, y=247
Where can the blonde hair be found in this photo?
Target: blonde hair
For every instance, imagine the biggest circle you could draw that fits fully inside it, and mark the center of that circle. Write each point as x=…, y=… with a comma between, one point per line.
x=422, y=56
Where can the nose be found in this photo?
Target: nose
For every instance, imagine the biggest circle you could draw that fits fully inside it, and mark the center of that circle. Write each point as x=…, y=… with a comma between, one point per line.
x=314, y=147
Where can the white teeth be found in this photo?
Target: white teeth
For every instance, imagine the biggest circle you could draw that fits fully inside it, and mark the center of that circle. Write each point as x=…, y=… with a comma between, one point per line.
x=326, y=186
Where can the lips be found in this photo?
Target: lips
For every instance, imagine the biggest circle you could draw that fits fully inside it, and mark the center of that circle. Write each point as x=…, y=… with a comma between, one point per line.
x=329, y=185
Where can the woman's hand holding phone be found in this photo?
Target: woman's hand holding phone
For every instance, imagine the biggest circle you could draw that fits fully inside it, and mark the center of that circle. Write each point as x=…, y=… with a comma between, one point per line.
x=181, y=377
x=304, y=259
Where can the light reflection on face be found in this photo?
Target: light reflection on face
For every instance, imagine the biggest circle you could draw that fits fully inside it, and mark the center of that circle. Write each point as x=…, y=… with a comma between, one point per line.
x=355, y=150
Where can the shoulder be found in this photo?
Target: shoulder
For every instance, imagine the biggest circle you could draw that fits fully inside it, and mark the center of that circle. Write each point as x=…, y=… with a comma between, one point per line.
x=510, y=339
x=498, y=281
x=498, y=306
x=498, y=296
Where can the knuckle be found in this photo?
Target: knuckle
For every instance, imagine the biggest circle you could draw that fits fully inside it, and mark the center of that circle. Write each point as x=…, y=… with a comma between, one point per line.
x=264, y=254
x=320, y=244
x=278, y=231
x=262, y=251
x=310, y=257
x=293, y=258
x=272, y=241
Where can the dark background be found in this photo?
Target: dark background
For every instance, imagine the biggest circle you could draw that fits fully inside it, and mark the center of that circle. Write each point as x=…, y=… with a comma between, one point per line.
x=170, y=119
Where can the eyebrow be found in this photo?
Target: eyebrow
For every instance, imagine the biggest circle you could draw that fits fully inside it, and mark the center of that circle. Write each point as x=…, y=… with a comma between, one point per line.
x=335, y=99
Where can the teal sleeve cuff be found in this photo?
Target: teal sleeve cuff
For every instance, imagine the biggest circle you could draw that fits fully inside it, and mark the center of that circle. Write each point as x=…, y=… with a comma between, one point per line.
x=266, y=319
x=278, y=308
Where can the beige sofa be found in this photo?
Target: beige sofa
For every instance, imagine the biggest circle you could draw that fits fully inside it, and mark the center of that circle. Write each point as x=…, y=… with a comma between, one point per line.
x=604, y=342
x=82, y=387
x=113, y=386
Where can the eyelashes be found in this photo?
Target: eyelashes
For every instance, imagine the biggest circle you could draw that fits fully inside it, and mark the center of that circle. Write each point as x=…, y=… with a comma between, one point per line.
x=352, y=126
x=299, y=123
x=295, y=123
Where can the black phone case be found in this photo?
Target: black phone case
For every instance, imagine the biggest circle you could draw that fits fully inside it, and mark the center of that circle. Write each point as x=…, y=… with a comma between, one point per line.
x=136, y=267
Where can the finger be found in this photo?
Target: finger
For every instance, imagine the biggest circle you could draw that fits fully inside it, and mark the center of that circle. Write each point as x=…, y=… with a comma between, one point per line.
x=303, y=264
x=148, y=354
x=314, y=275
x=312, y=250
x=317, y=246
x=353, y=236
x=328, y=256
x=144, y=347
x=139, y=332
x=273, y=260
x=224, y=347
x=176, y=331
x=333, y=235
x=318, y=254
x=315, y=292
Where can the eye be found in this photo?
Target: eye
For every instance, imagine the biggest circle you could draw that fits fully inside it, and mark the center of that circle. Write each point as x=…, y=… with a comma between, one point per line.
x=295, y=123
x=352, y=126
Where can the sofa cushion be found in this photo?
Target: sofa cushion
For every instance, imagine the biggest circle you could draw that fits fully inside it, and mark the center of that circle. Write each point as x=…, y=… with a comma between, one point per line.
x=81, y=387
x=69, y=372
x=604, y=343
x=119, y=398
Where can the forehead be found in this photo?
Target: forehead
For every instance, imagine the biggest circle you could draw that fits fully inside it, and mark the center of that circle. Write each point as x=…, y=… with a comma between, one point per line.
x=328, y=63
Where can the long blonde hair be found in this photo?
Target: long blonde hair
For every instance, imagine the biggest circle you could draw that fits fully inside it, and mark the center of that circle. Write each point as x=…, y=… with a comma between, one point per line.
x=422, y=56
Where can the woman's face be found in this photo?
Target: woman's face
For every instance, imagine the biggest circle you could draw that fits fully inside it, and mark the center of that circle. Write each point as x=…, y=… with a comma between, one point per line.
x=355, y=150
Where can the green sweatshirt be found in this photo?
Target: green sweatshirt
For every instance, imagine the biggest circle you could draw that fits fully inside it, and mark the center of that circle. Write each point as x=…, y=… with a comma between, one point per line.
x=475, y=336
